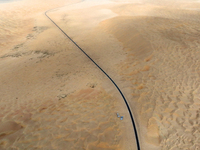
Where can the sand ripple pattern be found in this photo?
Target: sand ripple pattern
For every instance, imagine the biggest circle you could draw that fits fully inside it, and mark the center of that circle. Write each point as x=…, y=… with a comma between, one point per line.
x=165, y=76
x=78, y=121
x=170, y=82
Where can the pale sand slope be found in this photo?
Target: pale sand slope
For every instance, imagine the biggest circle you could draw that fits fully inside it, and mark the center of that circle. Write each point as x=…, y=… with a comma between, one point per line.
x=151, y=48
x=165, y=75
x=51, y=95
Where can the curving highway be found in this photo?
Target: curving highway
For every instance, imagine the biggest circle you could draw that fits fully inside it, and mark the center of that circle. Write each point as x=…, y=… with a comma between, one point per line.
x=127, y=105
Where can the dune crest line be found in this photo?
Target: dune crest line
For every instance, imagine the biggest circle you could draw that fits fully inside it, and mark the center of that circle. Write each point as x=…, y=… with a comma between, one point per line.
x=127, y=105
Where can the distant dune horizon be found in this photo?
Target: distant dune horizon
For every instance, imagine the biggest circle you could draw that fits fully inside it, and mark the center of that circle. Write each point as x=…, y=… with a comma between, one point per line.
x=8, y=1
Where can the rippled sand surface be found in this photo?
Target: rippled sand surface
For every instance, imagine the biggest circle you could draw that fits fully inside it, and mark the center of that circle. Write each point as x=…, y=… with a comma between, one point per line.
x=53, y=97
x=163, y=68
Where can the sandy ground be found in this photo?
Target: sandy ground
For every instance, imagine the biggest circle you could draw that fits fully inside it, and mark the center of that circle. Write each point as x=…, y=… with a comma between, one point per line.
x=53, y=97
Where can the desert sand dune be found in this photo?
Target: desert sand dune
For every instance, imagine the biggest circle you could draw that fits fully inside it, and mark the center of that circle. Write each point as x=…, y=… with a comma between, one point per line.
x=161, y=46
x=53, y=97
x=165, y=82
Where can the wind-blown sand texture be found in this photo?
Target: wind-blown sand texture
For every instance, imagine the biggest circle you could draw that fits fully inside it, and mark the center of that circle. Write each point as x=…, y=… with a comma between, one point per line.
x=53, y=97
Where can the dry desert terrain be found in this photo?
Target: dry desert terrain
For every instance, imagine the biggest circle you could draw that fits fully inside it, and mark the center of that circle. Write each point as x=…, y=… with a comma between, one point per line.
x=53, y=97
